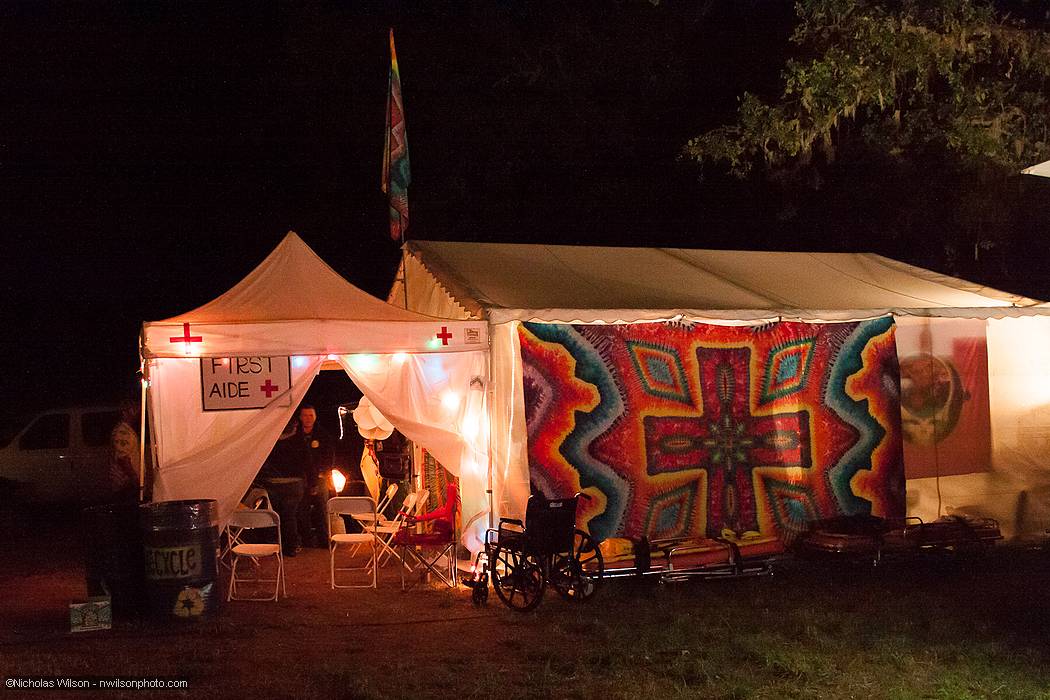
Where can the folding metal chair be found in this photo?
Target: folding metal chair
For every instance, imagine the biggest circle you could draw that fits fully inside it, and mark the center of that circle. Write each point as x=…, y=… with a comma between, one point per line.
x=256, y=498
x=391, y=491
x=386, y=530
x=352, y=506
x=240, y=521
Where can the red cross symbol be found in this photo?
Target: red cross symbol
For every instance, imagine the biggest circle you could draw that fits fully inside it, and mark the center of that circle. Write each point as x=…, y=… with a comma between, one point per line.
x=186, y=337
x=444, y=335
x=269, y=388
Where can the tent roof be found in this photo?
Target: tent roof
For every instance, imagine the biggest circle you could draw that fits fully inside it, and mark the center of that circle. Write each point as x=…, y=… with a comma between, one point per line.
x=294, y=283
x=294, y=304
x=1040, y=169
x=589, y=283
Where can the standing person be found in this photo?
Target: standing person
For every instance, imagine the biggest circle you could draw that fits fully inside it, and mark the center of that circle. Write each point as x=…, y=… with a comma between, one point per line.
x=315, y=451
x=124, y=457
x=280, y=475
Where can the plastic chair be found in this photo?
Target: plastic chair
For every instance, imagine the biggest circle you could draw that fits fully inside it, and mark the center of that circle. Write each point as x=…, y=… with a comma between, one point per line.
x=241, y=520
x=352, y=506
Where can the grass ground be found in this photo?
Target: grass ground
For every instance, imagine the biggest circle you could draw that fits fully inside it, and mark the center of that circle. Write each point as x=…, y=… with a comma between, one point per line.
x=945, y=628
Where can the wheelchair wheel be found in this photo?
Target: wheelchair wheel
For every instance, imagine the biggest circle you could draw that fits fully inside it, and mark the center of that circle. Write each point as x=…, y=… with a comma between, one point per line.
x=577, y=577
x=517, y=579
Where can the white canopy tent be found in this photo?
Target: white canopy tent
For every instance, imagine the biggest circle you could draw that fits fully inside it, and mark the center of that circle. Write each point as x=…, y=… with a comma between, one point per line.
x=427, y=375
x=506, y=284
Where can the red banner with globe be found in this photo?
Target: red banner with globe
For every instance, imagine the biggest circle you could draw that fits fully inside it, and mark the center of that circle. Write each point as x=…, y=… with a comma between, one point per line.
x=945, y=411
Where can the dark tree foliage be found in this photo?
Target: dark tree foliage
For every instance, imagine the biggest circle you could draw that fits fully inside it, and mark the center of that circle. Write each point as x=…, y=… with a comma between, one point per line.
x=904, y=123
x=912, y=75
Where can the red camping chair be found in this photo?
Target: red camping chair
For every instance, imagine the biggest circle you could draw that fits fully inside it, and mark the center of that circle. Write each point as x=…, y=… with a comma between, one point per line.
x=438, y=540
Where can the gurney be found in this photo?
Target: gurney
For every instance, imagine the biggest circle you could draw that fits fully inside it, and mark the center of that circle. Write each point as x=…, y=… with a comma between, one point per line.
x=869, y=537
x=956, y=532
x=680, y=558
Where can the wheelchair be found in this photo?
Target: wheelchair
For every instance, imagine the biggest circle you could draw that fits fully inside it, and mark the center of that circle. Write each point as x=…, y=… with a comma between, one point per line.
x=522, y=559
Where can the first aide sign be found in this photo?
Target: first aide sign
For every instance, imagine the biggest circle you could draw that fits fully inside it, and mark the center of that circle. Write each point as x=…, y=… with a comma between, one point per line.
x=234, y=383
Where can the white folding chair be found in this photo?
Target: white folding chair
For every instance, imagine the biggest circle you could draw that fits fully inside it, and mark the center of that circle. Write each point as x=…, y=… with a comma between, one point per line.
x=257, y=497
x=241, y=520
x=387, y=529
x=391, y=491
x=380, y=524
x=352, y=506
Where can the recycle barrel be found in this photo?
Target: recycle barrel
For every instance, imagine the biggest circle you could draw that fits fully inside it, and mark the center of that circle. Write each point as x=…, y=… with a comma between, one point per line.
x=113, y=556
x=180, y=546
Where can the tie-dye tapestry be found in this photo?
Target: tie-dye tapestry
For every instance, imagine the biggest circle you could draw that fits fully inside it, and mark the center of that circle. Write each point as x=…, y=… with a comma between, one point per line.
x=689, y=429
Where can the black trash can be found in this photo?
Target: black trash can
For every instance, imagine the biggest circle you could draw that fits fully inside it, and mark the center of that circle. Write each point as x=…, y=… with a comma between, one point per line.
x=181, y=548
x=113, y=560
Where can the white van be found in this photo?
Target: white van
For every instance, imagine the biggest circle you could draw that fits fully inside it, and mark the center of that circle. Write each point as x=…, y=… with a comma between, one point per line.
x=60, y=456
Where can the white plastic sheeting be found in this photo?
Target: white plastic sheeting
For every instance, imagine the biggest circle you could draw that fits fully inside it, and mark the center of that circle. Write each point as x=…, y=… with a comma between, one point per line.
x=438, y=401
x=212, y=454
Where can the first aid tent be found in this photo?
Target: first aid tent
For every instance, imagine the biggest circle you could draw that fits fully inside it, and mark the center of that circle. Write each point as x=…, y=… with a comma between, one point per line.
x=935, y=316
x=225, y=378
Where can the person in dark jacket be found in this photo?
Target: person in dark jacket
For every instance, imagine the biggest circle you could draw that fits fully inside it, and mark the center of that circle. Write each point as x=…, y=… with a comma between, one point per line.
x=314, y=450
x=281, y=476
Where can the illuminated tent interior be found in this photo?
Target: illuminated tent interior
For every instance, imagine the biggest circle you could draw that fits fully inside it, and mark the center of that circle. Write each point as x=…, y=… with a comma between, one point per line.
x=294, y=313
x=977, y=442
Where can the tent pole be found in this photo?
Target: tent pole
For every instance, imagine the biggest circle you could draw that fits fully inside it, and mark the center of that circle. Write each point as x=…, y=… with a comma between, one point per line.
x=488, y=411
x=142, y=430
x=404, y=272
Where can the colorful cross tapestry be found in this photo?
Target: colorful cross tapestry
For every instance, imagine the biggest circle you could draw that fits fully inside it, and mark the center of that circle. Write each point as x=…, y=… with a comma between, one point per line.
x=689, y=429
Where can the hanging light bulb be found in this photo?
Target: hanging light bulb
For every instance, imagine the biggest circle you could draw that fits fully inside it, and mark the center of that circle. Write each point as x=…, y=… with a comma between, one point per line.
x=450, y=400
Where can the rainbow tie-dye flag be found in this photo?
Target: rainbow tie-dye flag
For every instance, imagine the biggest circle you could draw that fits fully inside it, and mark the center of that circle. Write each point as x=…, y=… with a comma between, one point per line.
x=396, y=174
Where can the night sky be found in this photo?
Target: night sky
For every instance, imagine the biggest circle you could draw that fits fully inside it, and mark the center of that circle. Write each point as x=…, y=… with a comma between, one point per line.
x=151, y=154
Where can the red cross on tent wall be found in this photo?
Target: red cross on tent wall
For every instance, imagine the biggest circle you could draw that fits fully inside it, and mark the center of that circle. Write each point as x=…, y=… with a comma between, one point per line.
x=444, y=335
x=186, y=337
x=269, y=388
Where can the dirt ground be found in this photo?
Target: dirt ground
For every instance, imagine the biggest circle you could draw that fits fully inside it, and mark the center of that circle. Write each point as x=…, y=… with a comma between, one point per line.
x=317, y=642
x=698, y=639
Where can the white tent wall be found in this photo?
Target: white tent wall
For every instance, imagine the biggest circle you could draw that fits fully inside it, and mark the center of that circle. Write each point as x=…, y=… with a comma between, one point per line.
x=439, y=402
x=213, y=454
x=510, y=460
x=434, y=399
x=1016, y=490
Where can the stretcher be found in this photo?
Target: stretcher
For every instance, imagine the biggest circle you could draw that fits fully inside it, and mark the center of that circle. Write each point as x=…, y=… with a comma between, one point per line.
x=680, y=558
x=874, y=538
